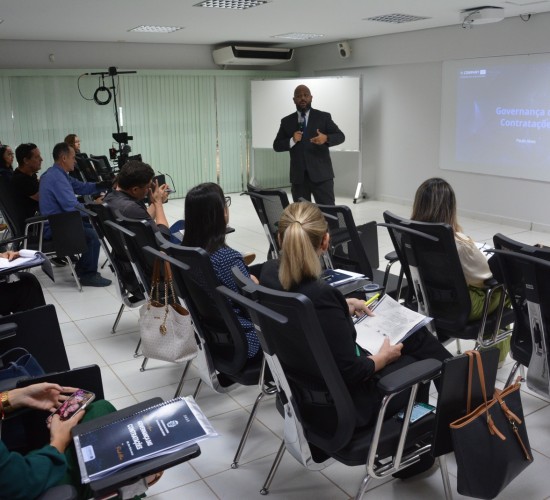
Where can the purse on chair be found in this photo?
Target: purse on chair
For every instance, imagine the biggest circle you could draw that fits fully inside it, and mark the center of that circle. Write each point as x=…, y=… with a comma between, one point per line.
x=490, y=443
x=166, y=329
x=24, y=366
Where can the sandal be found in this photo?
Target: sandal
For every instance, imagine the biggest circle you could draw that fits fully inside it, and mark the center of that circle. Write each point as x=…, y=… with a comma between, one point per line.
x=154, y=479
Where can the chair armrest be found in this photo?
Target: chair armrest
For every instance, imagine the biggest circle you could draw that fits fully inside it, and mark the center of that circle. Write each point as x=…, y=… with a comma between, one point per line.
x=391, y=256
x=3, y=243
x=490, y=282
x=409, y=375
x=8, y=330
x=35, y=219
x=61, y=492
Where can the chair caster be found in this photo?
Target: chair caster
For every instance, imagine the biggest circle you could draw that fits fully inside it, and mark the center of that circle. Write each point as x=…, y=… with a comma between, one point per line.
x=264, y=491
x=142, y=369
x=234, y=465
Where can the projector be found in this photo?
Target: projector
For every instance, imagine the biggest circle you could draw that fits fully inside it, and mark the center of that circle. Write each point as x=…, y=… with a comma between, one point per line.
x=482, y=15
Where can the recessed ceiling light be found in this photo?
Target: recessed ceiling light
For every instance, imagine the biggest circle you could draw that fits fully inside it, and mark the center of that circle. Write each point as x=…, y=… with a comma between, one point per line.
x=156, y=29
x=298, y=36
x=231, y=4
x=395, y=18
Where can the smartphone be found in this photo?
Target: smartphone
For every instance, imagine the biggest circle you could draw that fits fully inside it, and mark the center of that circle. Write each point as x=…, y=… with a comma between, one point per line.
x=76, y=402
x=161, y=179
x=419, y=410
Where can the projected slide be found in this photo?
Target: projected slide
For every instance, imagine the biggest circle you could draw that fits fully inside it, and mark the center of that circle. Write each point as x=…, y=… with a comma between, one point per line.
x=496, y=116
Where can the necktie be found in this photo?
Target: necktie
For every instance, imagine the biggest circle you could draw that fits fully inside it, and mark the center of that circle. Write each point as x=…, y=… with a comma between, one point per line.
x=304, y=123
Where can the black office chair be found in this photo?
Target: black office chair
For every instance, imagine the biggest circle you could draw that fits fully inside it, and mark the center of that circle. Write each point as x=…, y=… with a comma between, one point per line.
x=356, y=248
x=525, y=270
x=269, y=205
x=429, y=258
x=131, y=289
x=319, y=413
x=222, y=360
x=103, y=167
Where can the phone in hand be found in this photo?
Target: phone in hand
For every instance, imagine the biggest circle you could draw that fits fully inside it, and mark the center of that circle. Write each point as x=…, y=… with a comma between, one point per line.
x=419, y=410
x=161, y=179
x=76, y=402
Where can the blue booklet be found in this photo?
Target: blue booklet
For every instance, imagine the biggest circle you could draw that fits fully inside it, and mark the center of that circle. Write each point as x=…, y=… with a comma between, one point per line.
x=155, y=431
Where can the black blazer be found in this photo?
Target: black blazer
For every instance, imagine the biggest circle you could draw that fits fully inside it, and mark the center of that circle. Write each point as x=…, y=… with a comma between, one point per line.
x=305, y=156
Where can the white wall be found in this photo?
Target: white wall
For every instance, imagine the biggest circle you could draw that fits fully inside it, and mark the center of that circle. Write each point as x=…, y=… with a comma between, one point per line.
x=401, y=113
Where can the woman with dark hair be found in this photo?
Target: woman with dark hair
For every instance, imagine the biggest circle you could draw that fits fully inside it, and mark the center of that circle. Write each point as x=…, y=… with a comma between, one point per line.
x=206, y=218
x=304, y=237
x=435, y=201
x=6, y=161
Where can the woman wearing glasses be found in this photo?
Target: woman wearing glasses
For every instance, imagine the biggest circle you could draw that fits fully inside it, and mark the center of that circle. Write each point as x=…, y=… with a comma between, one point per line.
x=206, y=218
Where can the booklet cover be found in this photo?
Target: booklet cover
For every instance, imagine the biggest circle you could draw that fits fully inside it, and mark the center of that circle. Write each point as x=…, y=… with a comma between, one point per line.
x=155, y=431
x=391, y=320
x=337, y=277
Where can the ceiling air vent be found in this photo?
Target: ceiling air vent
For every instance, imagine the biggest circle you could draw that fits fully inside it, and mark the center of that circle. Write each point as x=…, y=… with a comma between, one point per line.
x=396, y=18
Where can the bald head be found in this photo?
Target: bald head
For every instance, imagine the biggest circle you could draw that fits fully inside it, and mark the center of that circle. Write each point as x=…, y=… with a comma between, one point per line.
x=302, y=98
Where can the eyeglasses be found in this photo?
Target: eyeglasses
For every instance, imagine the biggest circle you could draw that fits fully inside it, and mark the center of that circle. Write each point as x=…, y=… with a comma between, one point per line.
x=228, y=201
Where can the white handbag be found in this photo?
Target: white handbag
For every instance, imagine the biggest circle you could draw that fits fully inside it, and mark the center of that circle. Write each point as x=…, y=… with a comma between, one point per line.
x=166, y=329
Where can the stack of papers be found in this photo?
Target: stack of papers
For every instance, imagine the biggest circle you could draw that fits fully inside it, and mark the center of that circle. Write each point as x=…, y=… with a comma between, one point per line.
x=392, y=321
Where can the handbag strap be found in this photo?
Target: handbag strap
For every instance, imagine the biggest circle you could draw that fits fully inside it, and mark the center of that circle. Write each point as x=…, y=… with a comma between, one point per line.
x=475, y=355
x=10, y=351
x=155, y=281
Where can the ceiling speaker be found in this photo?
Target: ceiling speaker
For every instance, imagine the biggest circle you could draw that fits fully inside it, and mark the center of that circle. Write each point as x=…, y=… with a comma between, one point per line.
x=344, y=49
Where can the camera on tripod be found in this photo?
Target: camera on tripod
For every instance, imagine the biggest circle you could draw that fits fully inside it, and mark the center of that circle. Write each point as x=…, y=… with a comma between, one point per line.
x=122, y=154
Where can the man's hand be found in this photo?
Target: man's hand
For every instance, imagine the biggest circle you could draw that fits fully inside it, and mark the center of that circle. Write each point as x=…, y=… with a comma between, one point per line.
x=320, y=138
x=158, y=193
x=297, y=136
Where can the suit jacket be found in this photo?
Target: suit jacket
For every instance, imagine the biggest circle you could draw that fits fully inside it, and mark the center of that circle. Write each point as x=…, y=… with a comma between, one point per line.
x=305, y=156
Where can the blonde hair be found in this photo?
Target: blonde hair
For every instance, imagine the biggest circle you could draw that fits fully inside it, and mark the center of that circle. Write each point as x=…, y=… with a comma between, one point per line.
x=301, y=230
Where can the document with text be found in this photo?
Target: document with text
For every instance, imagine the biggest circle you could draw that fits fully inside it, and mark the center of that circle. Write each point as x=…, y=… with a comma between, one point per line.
x=392, y=321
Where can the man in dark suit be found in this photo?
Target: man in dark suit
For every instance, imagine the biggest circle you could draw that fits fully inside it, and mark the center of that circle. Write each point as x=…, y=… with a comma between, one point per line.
x=307, y=135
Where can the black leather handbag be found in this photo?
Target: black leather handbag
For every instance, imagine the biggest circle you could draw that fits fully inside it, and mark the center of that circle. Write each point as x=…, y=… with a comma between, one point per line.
x=490, y=443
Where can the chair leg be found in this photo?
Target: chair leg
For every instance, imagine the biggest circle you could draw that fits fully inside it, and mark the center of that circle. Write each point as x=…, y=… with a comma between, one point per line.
x=363, y=487
x=246, y=432
x=458, y=347
x=75, y=276
x=513, y=373
x=273, y=470
x=136, y=352
x=197, y=389
x=118, y=316
x=180, y=385
x=445, y=476
x=144, y=364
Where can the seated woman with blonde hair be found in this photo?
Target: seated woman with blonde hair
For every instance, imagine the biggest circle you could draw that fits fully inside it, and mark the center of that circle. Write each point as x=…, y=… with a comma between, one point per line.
x=304, y=237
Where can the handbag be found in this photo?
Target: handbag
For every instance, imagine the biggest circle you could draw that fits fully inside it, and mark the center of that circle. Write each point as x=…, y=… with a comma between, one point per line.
x=490, y=443
x=166, y=329
x=25, y=366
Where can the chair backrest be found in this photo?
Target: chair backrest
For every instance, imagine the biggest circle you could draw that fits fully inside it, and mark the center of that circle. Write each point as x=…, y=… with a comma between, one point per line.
x=137, y=234
x=350, y=249
x=102, y=167
x=525, y=270
x=113, y=246
x=88, y=169
x=67, y=233
x=12, y=212
x=214, y=318
x=38, y=331
x=269, y=205
x=288, y=329
x=429, y=257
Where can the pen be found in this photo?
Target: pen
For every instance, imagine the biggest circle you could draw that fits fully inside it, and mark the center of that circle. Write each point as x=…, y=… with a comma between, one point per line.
x=376, y=296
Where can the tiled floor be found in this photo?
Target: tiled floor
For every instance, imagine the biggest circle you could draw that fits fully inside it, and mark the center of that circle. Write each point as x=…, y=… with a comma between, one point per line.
x=86, y=320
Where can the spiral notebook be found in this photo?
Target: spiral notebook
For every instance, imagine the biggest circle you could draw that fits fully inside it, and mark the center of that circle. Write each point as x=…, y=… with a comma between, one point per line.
x=155, y=431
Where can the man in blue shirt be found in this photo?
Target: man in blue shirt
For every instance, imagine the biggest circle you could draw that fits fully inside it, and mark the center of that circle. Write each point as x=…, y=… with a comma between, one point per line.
x=57, y=195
